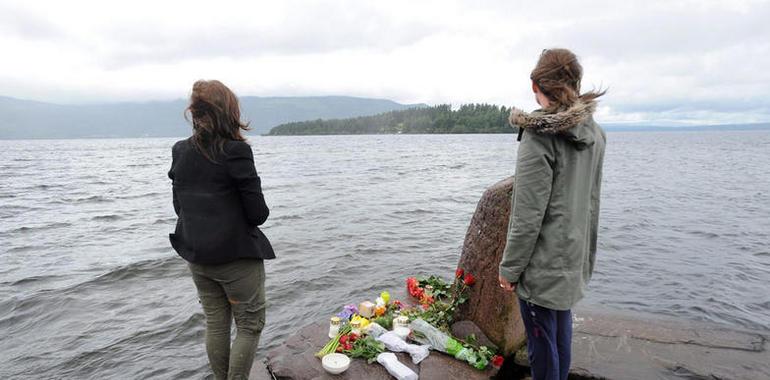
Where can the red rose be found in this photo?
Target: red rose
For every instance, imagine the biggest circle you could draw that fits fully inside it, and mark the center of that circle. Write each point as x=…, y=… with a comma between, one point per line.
x=469, y=279
x=459, y=273
x=412, y=286
x=497, y=361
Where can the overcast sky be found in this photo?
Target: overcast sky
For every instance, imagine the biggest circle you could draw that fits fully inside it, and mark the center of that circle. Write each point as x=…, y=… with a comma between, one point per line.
x=665, y=62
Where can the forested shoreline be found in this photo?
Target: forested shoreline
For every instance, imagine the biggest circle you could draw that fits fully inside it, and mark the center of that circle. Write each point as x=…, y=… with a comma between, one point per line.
x=468, y=118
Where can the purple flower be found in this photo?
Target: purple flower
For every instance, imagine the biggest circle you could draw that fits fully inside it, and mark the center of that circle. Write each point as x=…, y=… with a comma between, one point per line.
x=348, y=311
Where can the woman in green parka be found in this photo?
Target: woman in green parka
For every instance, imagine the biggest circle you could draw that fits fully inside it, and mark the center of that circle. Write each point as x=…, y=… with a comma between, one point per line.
x=551, y=247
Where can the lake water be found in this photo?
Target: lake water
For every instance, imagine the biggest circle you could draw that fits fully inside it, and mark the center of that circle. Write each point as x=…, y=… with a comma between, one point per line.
x=89, y=287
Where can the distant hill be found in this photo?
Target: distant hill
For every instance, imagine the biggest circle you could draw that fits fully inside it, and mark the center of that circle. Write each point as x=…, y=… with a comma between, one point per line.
x=20, y=119
x=468, y=118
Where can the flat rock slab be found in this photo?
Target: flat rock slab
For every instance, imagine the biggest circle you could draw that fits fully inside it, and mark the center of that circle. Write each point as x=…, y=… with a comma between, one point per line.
x=627, y=347
x=619, y=346
x=259, y=372
x=295, y=360
x=438, y=366
x=667, y=331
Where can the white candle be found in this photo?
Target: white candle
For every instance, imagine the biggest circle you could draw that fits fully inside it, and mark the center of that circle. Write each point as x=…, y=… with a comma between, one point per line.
x=334, y=327
x=355, y=327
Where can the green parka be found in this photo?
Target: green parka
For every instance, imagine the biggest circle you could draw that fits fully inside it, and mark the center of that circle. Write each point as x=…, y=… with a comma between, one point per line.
x=551, y=247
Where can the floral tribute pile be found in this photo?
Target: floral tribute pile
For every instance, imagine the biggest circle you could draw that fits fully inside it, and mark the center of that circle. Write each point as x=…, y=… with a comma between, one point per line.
x=429, y=320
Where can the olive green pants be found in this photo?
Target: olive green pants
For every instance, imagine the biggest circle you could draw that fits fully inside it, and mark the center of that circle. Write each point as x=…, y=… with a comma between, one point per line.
x=230, y=291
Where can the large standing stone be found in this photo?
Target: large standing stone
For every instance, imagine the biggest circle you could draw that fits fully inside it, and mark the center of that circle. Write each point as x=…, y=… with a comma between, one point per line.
x=493, y=310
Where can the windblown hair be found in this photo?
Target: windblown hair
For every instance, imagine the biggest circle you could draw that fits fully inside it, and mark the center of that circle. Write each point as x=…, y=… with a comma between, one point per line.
x=216, y=117
x=557, y=75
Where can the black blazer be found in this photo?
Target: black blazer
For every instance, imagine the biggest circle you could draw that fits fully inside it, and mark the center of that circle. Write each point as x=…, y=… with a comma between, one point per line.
x=219, y=205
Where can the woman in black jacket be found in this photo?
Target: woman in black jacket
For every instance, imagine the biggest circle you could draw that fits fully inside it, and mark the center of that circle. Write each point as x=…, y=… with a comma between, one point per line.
x=219, y=203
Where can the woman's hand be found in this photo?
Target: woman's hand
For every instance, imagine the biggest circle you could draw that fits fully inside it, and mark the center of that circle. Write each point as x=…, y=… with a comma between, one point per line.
x=507, y=286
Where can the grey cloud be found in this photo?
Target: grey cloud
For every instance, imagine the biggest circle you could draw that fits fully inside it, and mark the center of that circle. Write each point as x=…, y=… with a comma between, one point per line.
x=305, y=33
x=654, y=32
x=26, y=24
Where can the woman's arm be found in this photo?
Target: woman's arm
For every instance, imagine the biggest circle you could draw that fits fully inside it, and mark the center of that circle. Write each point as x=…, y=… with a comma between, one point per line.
x=531, y=194
x=171, y=175
x=240, y=168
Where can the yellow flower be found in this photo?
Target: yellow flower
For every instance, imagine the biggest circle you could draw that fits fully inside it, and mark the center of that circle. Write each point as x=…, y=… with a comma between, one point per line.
x=385, y=297
x=364, y=321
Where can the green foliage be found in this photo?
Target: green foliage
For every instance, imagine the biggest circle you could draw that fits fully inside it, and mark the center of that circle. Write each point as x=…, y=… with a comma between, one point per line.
x=441, y=288
x=439, y=314
x=366, y=348
x=447, y=299
x=385, y=321
x=469, y=118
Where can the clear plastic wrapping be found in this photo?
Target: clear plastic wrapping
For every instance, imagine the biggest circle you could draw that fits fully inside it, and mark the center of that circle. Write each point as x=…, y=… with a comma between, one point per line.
x=394, y=343
x=395, y=368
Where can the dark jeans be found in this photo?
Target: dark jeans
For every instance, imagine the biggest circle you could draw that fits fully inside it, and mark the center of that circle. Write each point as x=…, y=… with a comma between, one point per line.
x=549, y=340
x=230, y=291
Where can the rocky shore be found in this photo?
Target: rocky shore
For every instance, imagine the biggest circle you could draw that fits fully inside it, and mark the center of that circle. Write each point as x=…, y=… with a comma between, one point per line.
x=606, y=344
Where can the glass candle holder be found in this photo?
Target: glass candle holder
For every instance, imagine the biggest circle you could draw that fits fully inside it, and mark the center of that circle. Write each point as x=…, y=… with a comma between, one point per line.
x=334, y=326
x=400, y=321
x=355, y=327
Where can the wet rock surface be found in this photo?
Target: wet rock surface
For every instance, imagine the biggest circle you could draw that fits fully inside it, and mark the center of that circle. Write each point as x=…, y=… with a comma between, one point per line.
x=618, y=346
x=259, y=372
x=606, y=345
x=493, y=310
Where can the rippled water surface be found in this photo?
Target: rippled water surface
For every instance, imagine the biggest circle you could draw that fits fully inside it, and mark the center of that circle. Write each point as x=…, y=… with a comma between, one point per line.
x=89, y=287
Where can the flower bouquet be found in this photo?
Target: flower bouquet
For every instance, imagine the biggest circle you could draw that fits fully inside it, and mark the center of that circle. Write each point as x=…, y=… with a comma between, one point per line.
x=430, y=321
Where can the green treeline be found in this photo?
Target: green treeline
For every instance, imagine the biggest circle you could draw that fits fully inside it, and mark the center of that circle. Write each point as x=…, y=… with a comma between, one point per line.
x=469, y=118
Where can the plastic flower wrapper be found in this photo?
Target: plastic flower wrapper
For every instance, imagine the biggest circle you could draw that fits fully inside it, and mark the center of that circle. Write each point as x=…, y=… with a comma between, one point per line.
x=375, y=330
x=440, y=341
x=394, y=343
x=396, y=368
x=472, y=357
x=347, y=312
x=436, y=338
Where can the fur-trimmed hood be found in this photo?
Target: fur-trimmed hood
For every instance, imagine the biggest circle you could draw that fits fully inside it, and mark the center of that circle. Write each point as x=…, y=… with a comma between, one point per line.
x=566, y=124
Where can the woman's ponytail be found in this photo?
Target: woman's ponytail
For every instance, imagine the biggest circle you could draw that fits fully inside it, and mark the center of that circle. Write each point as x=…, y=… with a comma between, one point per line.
x=558, y=74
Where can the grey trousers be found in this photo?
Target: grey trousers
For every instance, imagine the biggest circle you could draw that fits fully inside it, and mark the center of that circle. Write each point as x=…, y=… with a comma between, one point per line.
x=230, y=291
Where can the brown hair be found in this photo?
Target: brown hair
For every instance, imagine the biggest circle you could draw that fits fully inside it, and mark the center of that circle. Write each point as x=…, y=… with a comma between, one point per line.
x=557, y=75
x=216, y=117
